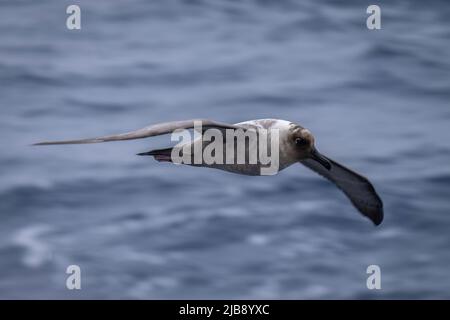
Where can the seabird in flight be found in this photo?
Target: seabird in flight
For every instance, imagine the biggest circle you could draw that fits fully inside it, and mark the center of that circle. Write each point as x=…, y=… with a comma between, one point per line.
x=296, y=144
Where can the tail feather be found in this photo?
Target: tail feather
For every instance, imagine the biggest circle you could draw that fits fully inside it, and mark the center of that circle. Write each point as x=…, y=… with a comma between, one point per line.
x=162, y=155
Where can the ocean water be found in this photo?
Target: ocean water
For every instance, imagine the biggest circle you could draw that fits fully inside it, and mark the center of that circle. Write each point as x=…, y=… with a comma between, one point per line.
x=377, y=101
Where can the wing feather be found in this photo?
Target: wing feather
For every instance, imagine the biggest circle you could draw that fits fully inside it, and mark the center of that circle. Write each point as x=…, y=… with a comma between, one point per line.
x=356, y=187
x=150, y=131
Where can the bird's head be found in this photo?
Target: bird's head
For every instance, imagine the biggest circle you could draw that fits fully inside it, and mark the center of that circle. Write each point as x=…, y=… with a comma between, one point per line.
x=302, y=142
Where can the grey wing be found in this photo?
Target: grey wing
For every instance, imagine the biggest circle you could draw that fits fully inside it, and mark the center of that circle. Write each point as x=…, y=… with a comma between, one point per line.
x=356, y=187
x=154, y=130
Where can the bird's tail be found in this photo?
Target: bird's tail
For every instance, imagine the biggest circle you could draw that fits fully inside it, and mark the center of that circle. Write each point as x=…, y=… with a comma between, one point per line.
x=162, y=155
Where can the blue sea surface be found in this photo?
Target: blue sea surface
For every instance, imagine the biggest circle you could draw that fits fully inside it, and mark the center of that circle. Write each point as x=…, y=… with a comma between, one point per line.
x=376, y=101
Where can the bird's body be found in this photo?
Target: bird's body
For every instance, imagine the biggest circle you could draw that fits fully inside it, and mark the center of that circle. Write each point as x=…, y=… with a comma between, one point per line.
x=286, y=142
x=286, y=156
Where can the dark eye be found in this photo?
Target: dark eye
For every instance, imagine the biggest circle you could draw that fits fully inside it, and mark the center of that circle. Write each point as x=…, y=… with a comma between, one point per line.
x=301, y=142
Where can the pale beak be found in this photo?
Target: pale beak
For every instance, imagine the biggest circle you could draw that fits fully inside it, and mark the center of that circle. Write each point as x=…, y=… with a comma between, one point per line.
x=320, y=158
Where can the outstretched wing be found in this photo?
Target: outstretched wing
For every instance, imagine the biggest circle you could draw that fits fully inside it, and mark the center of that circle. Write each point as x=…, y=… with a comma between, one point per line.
x=154, y=130
x=356, y=187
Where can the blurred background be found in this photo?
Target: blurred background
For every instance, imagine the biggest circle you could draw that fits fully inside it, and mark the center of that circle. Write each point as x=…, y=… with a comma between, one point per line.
x=377, y=101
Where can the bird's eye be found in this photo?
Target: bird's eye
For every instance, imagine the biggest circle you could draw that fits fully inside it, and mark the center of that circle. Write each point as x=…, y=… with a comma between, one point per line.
x=301, y=142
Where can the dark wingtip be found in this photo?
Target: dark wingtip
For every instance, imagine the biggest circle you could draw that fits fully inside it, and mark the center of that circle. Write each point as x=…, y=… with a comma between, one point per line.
x=377, y=217
x=49, y=143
